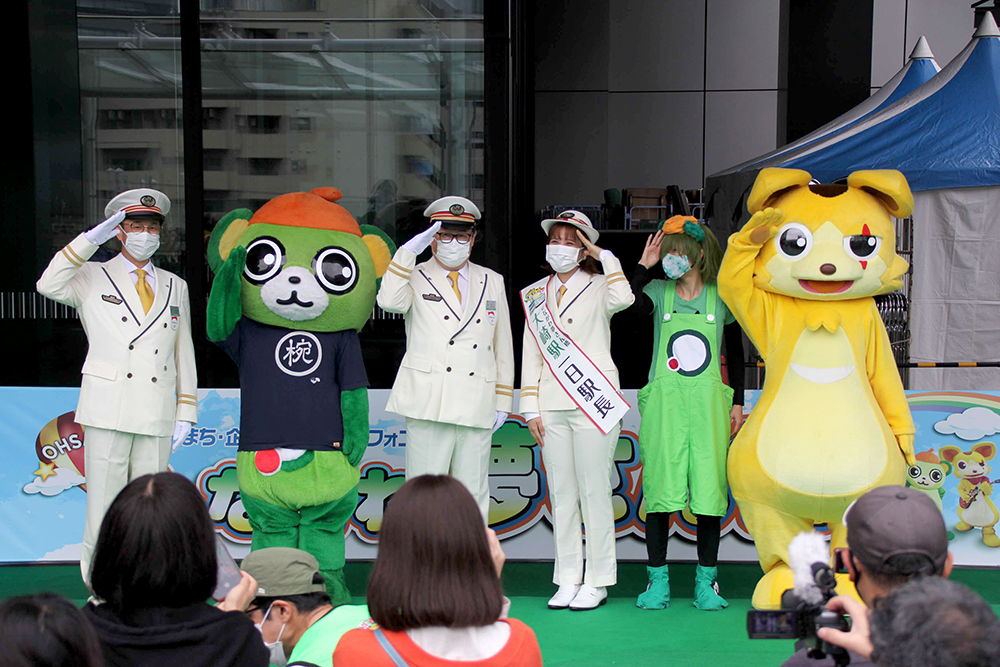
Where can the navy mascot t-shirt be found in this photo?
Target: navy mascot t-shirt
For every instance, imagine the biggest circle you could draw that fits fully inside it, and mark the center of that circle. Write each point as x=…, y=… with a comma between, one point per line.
x=290, y=384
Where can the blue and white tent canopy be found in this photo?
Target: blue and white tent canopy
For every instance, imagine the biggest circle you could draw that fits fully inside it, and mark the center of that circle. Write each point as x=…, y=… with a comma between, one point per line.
x=918, y=70
x=944, y=134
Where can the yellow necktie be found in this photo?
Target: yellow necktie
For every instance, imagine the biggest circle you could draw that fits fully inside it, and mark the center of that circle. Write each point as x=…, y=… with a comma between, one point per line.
x=145, y=293
x=562, y=290
x=453, y=277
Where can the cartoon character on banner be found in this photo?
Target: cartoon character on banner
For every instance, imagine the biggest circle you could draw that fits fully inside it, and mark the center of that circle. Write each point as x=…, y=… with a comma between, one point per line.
x=59, y=447
x=832, y=421
x=975, y=509
x=294, y=284
x=928, y=474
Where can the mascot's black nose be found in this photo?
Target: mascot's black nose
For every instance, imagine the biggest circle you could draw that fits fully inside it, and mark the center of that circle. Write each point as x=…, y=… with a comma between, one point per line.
x=295, y=280
x=826, y=270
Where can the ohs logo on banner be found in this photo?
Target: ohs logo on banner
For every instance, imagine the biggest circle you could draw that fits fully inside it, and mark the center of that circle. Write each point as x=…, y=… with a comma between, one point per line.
x=518, y=490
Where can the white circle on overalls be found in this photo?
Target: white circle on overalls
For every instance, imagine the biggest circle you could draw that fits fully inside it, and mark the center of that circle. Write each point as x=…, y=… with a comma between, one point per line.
x=689, y=353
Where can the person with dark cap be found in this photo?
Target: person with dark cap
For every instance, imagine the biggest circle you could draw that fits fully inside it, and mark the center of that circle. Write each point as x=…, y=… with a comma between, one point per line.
x=138, y=397
x=455, y=385
x=894, y=535
x=298, y=622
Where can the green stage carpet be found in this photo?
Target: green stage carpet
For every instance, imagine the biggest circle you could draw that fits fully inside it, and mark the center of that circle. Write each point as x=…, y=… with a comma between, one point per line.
x=616, y=634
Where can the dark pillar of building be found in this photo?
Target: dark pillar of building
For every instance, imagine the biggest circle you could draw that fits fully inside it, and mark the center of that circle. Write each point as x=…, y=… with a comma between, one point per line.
x=42, y=185
x=829, y=61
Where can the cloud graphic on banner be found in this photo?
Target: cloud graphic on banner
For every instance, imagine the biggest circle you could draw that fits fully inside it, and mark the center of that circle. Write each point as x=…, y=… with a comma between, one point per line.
x=59, y=481
x=972, y=424
x=67, y=552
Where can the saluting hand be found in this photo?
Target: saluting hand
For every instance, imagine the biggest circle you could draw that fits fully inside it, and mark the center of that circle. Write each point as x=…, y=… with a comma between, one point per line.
x=651, y=253
x=590, y=249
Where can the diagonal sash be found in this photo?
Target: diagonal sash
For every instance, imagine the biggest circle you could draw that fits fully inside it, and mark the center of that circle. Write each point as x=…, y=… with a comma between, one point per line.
x=579, y=377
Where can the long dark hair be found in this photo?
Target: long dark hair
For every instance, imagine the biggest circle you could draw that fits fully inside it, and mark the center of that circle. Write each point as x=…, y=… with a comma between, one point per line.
x=46, y=630
x=434, y=566
x=156, y=547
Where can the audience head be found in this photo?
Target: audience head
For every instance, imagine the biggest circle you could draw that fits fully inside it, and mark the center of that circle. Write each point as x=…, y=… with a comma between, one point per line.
x=46, y=630
x=434, y=566
x=895, y=534
x=933, y=622
x=156, y=547
x=291, y=594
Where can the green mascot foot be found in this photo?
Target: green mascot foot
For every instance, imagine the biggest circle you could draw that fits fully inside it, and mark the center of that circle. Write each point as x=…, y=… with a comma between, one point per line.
x=657, y=594
x=706, y=590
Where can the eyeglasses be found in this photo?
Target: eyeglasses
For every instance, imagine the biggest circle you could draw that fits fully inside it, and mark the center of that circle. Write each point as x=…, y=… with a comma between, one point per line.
x=448, y=237
x=151, y=227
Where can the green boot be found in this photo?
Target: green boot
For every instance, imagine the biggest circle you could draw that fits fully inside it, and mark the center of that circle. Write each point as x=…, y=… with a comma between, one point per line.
x=657, y=595
x=706, y=589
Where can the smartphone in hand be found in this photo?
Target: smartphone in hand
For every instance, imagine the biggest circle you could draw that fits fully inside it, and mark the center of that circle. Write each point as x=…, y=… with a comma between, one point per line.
x=227, y=574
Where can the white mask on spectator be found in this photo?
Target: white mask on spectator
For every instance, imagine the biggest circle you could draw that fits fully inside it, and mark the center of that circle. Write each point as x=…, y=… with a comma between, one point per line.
x=278, y=657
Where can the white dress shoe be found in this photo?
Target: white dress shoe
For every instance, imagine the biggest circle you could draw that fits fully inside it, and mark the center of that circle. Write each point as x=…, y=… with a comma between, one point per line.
x=589, y=598
x=563, y=597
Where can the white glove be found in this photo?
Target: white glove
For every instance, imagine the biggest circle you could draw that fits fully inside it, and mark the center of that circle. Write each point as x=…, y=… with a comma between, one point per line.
x=499, y=420
x=106, y=230
x=181, y=430
x=422, y=241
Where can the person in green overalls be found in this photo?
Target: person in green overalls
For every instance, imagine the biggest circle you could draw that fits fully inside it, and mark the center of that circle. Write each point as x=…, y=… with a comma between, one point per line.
x=688, y=413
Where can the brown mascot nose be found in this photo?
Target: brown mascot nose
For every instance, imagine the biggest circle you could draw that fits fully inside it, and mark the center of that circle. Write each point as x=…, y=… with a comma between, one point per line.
x=828, y=269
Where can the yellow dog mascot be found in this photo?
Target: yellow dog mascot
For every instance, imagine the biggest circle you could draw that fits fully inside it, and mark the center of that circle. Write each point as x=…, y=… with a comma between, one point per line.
x=832, y=421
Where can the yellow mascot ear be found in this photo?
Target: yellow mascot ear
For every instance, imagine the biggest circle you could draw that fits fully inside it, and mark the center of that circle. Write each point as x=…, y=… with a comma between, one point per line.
x=772, y=181
x=230, y=238
x=888, y=186
x=379, y=249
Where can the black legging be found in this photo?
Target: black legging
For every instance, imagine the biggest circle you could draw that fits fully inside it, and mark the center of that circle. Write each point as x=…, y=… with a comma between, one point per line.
x=658, y=529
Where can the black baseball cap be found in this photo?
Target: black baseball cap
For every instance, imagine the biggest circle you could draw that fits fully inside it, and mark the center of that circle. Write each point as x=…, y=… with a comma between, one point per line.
x=894, y=520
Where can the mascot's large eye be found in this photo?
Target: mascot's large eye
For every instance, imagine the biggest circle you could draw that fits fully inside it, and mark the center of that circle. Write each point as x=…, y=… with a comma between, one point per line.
x=862, y=247
x=265, y=257
x=794, y=241
x=936, y=476
x=336, y=270
x=914, y=472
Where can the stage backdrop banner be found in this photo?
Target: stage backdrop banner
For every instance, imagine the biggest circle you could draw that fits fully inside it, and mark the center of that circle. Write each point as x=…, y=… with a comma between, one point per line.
x=43, y=488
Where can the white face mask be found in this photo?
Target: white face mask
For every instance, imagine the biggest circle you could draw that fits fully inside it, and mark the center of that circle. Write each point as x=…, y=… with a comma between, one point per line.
x=562, y=258
x=452, y=254
x=141, y=245
x=278, y=657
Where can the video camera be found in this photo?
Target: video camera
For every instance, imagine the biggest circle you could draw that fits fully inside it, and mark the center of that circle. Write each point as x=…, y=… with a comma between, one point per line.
x=803, y=608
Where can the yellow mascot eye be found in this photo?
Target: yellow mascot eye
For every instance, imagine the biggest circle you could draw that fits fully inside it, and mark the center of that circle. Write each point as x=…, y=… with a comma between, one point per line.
x=794, y=241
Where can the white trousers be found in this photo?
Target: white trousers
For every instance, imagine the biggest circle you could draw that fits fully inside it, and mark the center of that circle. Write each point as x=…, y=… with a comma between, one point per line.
x=435, y=448
x=578, y=464
x=111, y=460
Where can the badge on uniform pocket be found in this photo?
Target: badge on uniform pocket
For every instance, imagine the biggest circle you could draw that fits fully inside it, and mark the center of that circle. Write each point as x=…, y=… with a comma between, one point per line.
x=175, y=315
x=491, y=312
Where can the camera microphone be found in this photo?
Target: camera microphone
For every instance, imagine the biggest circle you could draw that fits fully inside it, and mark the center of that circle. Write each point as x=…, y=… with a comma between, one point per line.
x=809, y=558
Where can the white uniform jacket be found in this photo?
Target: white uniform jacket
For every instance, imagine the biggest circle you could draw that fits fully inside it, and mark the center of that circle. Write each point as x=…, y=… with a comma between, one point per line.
x=459, y=362
x=139, y=375
x=584, y=314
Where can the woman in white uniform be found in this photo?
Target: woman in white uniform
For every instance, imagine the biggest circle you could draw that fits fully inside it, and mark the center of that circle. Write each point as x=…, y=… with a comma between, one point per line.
x=578, y=455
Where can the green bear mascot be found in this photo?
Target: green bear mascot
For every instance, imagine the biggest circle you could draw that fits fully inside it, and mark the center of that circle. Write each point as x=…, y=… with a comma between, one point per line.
x=294, y=284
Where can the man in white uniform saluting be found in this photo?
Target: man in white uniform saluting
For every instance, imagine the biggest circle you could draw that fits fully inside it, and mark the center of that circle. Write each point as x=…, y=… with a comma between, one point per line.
x=455, y=383
x=139, y=388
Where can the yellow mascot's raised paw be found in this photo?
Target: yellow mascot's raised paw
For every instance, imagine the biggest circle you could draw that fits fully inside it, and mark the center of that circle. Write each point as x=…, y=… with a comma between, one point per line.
x=832, y=421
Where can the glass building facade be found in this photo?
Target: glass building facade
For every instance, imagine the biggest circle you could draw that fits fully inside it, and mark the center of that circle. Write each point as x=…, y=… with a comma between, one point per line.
x=225, y=104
